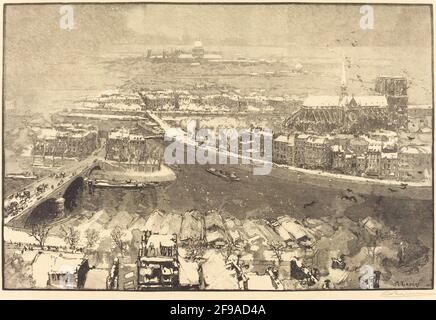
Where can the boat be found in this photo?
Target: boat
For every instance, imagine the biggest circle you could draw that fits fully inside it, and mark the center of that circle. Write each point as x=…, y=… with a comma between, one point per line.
x=128, y=184
x=234, y=177
x=223, y=174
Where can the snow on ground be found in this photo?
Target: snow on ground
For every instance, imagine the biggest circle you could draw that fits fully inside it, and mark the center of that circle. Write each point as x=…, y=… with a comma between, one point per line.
x=188, y=272
x=287, y=255
x=96, y=279
x=259, y=282
x=14, y=235
x=354, y=178
x=28, y=255
x=53, y=262
x=171, y=224
x=215, y=273
x=96, y=222
x=338, y=276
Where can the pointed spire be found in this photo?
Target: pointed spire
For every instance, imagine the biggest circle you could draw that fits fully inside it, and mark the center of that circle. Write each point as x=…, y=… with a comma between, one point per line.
x=343, y=81
x=344, y=76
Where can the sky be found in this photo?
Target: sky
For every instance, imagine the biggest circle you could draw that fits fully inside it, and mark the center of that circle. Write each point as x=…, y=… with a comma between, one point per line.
x=36, y=48
x=276, y=25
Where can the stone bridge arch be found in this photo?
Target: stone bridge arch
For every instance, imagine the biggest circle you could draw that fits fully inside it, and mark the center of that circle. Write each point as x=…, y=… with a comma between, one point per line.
x=72, y=193
x=47, y=211
x=60, y=202
x=95, y=166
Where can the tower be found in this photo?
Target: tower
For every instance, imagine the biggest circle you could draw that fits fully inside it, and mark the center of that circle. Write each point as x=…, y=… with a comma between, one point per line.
x=198, y=50
x=395, y=91
x=343, y=82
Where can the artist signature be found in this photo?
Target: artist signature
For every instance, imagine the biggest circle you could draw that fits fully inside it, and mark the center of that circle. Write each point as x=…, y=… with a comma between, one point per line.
x=406, y=284
x=406, y=294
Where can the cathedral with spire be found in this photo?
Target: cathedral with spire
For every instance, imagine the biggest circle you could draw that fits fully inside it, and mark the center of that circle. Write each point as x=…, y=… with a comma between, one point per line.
x=345, y=113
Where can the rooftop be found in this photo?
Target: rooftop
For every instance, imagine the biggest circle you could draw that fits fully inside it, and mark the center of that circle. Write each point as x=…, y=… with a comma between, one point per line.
x=321, y=101
x=186, y=56
x=337, y=148
x=366, y=101
x=420, y=106
x=286, y=139
x=54, y=262
x=389, y=155
x=157, y=240
x=416, y=150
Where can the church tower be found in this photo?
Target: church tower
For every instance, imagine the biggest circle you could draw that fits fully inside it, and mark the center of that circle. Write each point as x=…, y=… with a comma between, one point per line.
x=343, y=82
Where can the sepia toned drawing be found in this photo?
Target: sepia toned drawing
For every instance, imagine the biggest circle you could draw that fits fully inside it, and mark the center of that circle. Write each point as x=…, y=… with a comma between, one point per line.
x=217, y=147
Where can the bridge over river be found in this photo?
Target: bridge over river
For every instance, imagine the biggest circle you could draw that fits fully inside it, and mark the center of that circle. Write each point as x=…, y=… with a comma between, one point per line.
x=57, y=185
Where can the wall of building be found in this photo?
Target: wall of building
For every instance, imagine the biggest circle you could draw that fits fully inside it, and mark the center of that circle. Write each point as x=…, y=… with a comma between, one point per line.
x=354, y=156
x=66, y=145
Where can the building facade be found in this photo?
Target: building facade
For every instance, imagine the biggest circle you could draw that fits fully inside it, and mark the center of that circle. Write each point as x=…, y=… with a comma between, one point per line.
x=377, y=154
x=420, y=118
x=65, y=141
x=317, y=153
x=395, y=91
x=157, y=263
x=284, y=150
x=135, y=149
x=389, y=165
x=415, y=163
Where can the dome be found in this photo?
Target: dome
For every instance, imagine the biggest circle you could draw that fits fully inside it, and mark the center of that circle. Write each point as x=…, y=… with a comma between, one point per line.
x=198, y=44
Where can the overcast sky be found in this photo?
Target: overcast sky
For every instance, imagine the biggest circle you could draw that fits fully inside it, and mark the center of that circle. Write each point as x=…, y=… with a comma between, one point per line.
x=30, y=27
x=39, y=55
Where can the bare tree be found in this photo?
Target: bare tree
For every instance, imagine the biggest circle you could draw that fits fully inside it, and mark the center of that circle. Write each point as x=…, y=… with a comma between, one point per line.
x=40, y=233
x=372, y=241
x=71, y=237
x=195, y=250
x=152, y=156
x=144, y=156
x=137, y=157
x=160, y=156
x=91, y=237
x=155, y=156
x=278, y=248
x=230, y=250
x=117, y=236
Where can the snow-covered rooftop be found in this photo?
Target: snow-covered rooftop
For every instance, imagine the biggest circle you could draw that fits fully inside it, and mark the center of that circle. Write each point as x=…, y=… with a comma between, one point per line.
x=416, y=150
x=389, y=155
x=321, y=101
x=286, y=139
x=366, y=101
x=420, y=106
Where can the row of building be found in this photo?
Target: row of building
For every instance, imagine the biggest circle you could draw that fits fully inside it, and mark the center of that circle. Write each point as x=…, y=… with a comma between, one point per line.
x=136, y=147
x=373, y=155
x=182, y=99
x=111, y=100
x=198, y=55
x=65, y=140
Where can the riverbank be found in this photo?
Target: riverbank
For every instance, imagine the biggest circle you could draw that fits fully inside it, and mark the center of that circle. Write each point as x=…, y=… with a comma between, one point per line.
x=357, y=179
x=427, y=183
x=181, y=136
x=122, y=175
